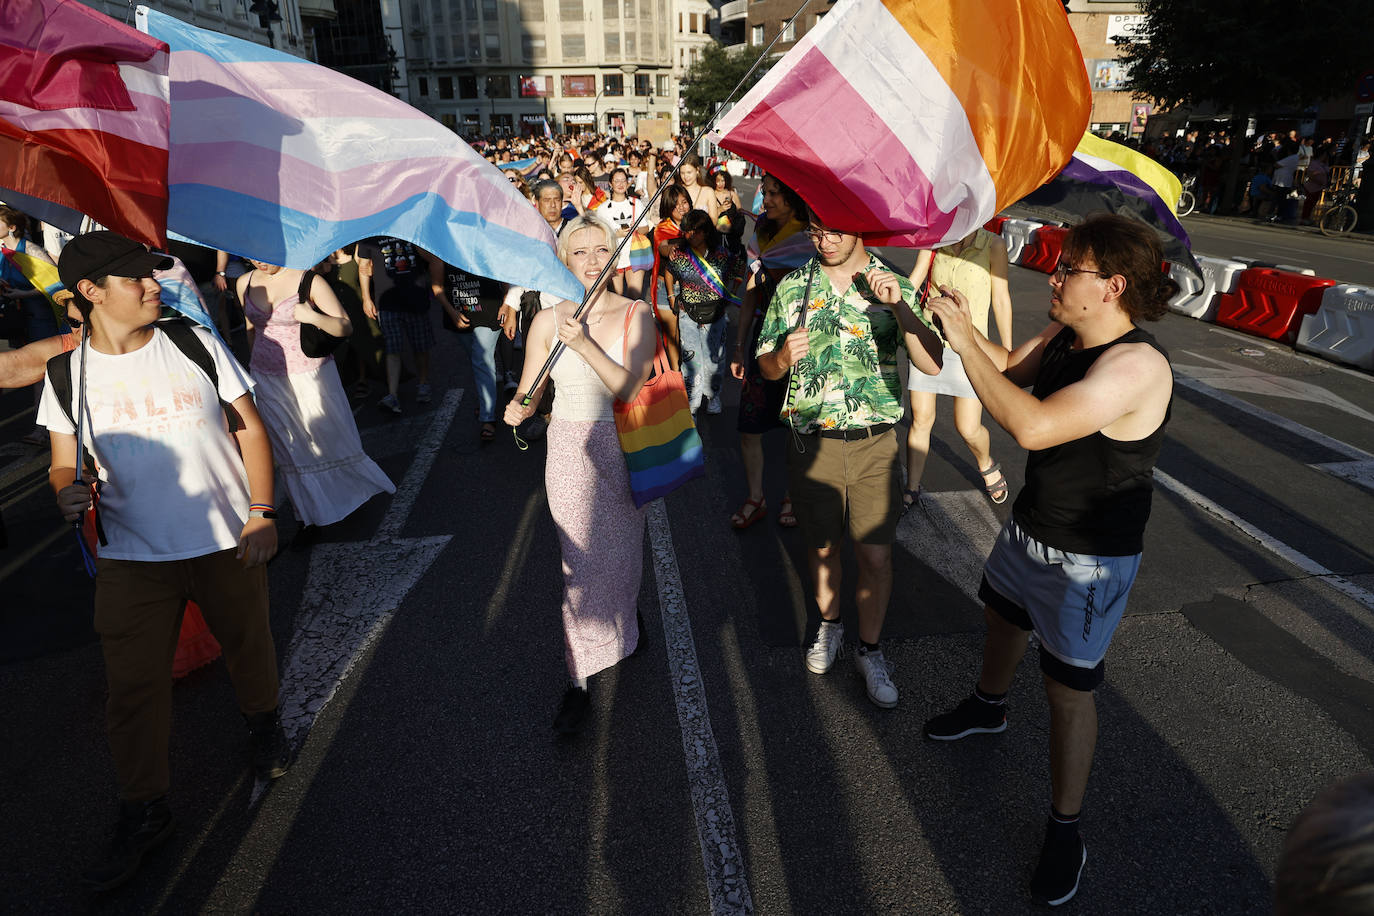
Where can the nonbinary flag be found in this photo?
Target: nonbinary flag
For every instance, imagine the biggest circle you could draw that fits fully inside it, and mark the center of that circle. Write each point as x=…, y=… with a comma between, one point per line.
x=914, y=121
x=83, y=119
x=282, y=160
x=1110, y=177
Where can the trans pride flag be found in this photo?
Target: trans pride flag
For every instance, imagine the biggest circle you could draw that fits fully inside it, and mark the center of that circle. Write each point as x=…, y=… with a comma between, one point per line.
x=914, y=121
x=83, y=119
x=284, y=161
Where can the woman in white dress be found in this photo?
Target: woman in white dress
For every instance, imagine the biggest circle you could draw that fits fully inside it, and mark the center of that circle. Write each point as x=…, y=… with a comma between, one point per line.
x=315, y=442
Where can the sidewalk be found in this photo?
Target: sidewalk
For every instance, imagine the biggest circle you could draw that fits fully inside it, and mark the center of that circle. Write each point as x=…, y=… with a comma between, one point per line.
x=1365, y=234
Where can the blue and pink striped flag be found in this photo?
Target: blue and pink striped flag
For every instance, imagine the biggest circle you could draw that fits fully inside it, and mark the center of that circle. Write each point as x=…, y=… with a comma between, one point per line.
x=282, y=160
x=913, y=121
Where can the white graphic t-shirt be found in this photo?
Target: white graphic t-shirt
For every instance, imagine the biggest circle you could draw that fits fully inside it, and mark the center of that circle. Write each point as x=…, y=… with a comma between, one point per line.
x=174, y=486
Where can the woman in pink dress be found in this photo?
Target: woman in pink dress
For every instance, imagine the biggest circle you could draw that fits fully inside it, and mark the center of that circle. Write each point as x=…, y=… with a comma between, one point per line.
x=608, y=356
x=315, y=442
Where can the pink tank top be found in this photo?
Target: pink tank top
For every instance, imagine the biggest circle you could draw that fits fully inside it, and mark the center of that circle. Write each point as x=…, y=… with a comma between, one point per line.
x=277, y=339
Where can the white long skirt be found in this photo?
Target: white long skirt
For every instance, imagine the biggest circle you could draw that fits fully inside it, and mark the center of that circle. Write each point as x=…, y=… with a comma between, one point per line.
x=320, y=458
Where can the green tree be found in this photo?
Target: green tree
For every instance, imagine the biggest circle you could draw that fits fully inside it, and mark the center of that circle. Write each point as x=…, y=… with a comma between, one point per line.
x=711, y=79
x=1247, y=57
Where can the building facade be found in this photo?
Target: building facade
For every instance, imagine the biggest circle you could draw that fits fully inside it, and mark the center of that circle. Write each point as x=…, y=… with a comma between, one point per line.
x=287, y=25
x=521, y=67
x=1096, y=24
x=764, y=19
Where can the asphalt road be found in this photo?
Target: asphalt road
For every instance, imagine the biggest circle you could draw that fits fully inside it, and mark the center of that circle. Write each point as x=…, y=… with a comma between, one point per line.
x=422, y=656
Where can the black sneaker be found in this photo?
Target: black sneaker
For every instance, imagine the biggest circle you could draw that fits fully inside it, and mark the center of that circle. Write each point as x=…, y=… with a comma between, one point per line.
x=971, y=717
x=572, y=711
x=1061, y=865
x=142, y=826
x=271, y=752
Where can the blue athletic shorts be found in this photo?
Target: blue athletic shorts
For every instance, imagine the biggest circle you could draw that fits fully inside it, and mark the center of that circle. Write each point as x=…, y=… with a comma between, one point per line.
x=1073, y=601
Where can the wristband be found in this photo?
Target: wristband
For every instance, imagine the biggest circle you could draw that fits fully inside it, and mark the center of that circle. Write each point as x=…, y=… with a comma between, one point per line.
x=262, y=510
x=220, y=273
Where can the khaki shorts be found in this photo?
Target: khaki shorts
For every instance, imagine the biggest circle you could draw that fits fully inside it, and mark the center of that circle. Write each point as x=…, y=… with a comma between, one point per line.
x=833, y=481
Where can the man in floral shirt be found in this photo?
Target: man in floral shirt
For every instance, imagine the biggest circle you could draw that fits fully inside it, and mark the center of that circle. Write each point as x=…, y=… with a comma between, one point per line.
x=837, y=324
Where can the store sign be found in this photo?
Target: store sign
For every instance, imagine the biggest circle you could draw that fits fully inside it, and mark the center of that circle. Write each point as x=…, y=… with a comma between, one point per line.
x=1108, y=75
x=579, y=119
x=1125, y=26
x=531, y=119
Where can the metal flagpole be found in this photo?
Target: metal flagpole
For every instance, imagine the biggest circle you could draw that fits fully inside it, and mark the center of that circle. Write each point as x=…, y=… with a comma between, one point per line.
x=596, y=287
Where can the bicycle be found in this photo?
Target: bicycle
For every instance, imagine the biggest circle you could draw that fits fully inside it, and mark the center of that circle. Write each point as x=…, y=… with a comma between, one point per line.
x=1187, y=201
x=1339, y=217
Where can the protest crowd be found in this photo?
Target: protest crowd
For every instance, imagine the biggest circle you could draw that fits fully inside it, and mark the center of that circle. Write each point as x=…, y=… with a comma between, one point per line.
x=825, y=342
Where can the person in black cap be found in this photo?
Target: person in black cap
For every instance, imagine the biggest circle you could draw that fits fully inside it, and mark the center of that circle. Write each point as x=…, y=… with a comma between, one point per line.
x=185, y=512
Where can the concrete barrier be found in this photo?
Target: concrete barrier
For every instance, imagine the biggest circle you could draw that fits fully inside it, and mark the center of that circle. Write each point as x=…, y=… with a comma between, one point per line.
x=1219, y=275
x=1342, y=327
x=1271, y=303
x=1015, y=234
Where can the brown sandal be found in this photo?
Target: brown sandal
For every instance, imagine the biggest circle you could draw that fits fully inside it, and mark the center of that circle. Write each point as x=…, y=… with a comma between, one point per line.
x=997, y=486
x=757, y=510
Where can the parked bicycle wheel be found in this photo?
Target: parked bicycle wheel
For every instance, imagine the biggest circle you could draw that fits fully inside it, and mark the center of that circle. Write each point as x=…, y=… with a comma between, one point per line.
x=1338, y=220
x=1186, y=203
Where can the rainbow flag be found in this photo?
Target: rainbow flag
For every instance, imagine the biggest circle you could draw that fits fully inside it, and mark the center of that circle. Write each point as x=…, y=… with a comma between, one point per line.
x=641, y=252
x=783, y=253
x=914, y=121
x=83, y=119
x=282, y=160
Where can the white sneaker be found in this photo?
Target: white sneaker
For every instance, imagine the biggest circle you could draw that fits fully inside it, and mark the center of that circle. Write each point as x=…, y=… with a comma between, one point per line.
x=877, y=673
x=823, y=651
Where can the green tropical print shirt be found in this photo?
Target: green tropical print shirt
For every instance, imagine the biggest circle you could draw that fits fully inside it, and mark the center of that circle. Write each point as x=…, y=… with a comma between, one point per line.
x=849, y=378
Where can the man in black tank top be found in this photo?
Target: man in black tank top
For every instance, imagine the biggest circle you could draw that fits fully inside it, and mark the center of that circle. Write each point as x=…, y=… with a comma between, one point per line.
x=1064, y=563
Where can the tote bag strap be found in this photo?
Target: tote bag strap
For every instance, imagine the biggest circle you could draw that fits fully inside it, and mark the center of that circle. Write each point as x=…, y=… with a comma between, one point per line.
x=660, y=355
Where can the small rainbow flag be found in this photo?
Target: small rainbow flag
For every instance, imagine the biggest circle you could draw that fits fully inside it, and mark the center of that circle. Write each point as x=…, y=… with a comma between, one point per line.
x=914, y=121
x=641, y=252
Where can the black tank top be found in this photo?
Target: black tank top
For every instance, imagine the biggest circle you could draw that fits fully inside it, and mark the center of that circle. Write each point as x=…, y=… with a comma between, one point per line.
x=1091, y=495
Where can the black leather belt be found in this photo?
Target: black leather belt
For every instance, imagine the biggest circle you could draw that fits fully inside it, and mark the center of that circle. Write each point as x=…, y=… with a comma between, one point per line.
x=853, y=435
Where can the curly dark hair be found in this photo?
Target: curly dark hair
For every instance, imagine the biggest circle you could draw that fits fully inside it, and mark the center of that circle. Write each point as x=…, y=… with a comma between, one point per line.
x=1128, y=247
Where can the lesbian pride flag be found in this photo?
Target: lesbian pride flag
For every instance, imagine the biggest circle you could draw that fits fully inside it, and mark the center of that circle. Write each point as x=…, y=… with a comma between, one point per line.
x=282, y=160
x=83, y=119
x=914, y=121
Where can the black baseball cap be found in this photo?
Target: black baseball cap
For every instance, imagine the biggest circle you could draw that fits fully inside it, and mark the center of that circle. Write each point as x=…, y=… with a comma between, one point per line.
x=104, y=254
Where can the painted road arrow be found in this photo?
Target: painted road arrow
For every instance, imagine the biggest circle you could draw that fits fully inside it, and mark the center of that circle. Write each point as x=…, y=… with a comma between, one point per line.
x=352, y=591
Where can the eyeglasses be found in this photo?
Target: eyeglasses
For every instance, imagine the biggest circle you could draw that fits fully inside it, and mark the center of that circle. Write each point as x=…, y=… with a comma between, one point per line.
x=824, y=235
x=1062, y=271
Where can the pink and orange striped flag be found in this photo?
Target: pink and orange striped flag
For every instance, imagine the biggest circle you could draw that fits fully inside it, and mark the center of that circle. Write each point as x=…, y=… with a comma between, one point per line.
x=915, y=121
x=84, y=118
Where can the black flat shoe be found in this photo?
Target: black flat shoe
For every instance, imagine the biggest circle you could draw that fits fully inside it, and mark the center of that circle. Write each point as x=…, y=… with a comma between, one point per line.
x=572, y=711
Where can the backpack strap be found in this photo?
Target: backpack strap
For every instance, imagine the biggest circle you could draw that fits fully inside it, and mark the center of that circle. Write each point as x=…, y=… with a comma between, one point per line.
x=303, y=291
x=193, y=348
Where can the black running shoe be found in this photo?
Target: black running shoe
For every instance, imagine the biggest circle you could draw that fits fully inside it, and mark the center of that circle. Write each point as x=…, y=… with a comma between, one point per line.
x=142, y=826
x=1061, y=865
x=271, y=752
x=971, y=717
x=572, y=711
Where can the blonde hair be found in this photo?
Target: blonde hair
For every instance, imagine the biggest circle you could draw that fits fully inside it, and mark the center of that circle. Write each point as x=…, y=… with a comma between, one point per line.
x=585, y=221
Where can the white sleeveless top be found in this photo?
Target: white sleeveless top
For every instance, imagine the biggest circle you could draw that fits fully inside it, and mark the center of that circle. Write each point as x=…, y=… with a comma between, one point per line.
x=579, y=394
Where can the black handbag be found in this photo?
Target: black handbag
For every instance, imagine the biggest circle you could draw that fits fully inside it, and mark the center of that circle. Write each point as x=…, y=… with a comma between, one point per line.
x=316, y=343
